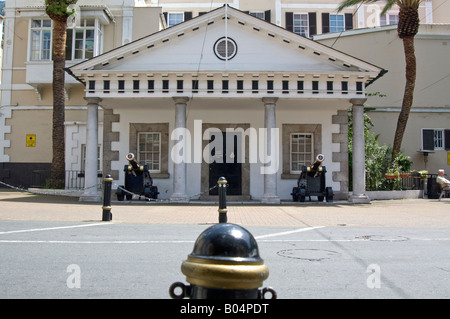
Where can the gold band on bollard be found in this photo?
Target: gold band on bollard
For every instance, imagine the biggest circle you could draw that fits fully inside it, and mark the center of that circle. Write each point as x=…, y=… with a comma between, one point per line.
x=108, y=179
x=224, y=274
x=222, y=210
x=106, y=207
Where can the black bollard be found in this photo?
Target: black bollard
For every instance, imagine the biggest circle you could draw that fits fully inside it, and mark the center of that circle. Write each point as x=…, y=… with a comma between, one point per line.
x=224, y=264
x=107, y=215
x=222, y=184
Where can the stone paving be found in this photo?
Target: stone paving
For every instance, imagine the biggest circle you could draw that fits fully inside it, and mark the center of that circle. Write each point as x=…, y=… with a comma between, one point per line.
x=383, y=213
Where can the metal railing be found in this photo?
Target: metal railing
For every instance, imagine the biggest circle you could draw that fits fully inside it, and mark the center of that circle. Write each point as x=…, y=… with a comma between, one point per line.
x=400, y=182
x=412, y=183
x=75, y=180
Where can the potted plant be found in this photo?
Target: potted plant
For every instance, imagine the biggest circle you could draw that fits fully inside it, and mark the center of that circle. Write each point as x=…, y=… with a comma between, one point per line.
x=390, y=174
x=423, y=174
x=405, y=175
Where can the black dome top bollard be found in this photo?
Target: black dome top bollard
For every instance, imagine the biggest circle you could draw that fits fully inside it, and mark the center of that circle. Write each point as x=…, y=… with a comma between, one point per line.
x=106, y=209
x=222, y=184
x=224, y=264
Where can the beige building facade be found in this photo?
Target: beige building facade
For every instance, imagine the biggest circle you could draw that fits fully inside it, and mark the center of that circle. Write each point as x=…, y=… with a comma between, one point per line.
x=308, y=17
x=26, y=100
x=102, y=28
x=426, y=138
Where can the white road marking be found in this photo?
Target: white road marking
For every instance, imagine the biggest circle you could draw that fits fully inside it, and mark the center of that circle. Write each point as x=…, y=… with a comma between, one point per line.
x=261, y=238
x=289, y=232
x=50, y=228
x=132, y=242
x=103, y=242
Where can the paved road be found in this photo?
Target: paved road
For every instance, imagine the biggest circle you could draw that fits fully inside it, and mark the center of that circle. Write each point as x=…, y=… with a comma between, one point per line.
x=389, y=213
x=58, y=248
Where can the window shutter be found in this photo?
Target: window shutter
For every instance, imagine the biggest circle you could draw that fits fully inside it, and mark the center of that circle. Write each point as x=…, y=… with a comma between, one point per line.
x=290, y=21
x=427, y=140
x=447, y=139
x=325, y=22
x=267, y=16
x=348, y=21
x=187, y=16
x=312, y=17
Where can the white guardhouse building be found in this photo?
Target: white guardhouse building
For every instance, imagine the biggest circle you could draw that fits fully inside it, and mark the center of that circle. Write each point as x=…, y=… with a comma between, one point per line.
x=226, y=94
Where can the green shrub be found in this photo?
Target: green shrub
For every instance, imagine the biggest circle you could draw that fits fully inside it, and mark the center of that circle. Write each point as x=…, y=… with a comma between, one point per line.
x=378, y=160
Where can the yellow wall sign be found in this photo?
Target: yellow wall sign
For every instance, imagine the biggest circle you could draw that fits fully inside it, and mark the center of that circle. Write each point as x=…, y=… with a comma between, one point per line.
x=31, y=140
x=448, y=158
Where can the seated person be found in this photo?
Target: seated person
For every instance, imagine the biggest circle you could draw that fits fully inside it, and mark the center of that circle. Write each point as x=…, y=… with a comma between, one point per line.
x=442, y=181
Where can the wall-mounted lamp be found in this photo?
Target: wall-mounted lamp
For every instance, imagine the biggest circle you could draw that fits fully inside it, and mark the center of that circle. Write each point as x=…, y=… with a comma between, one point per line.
x=425, y=156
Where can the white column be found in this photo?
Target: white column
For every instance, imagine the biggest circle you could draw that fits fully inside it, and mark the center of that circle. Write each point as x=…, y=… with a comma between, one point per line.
x=270, y=178
x=127, y=25
x=278, y=12
x=429, y=11
x=359, y=168
x=179, y=166
x=90, y=172
x=361, y=17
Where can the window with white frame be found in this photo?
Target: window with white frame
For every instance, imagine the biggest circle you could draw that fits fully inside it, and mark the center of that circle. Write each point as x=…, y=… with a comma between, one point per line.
x=260, y=15
x=435, y=139
x=149, y=150
x=387, y=19
x=337, y=22
x=301, y=150
x=83, y=41
x=301, y=24
x=438, y=139
x=41, y=39
x=83, y=157
x=174, y=18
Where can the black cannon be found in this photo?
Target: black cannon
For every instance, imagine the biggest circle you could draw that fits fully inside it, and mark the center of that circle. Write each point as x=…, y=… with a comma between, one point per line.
x=138, y=181
x=312, y=183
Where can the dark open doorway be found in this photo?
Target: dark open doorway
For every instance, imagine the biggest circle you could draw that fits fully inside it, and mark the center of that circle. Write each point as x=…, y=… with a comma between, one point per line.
x=227, y=162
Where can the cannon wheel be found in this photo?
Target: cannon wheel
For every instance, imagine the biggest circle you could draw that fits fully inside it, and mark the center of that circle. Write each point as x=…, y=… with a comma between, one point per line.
x=295, y=194
x=302, y=194
x=154, y=192
x=120, y=195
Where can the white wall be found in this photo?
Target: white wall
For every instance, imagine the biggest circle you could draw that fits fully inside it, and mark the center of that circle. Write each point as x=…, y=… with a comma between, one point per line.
x=224, y=111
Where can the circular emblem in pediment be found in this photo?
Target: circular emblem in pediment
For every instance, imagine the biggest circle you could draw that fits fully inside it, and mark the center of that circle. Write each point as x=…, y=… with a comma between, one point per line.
x=225, y=48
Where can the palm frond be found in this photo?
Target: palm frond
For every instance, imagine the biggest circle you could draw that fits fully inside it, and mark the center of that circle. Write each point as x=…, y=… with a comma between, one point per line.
x=389, y=5
x=409, y=3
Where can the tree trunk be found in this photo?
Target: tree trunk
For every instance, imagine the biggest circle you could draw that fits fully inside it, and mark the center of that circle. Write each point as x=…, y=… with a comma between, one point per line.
x=410, y=57
x=58, y=134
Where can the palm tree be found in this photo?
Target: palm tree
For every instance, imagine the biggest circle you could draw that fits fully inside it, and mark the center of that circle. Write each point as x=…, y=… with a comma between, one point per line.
x=408, y=26
x=58, y=11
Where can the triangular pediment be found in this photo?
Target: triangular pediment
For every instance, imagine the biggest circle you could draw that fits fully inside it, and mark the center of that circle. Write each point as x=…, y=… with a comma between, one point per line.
x=259, y=47
x=225, y=51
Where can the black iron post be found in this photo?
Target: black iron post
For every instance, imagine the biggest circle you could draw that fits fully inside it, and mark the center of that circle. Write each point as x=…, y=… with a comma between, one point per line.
x=107, y=215
x=222, y=184
x=224, y=264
